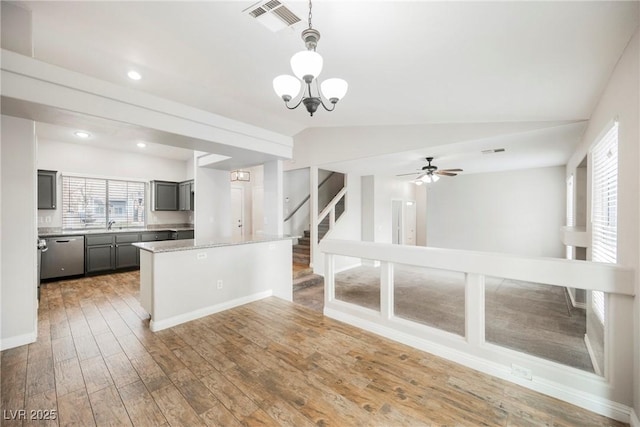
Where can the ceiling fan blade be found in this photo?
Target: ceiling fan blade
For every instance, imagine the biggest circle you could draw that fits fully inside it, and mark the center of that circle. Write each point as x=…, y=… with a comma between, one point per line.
x=407, y=174
x=445, y=173
x=451, y=170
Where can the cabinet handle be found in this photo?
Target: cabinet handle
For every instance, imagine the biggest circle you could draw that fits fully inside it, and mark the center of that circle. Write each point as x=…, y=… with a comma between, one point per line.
x=111, y=246
x=116, y=246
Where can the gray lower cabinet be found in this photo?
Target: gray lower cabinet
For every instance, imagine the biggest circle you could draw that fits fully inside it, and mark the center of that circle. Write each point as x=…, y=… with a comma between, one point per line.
x=182, y=235
x=46, y=189
x=151, y=236
x=106, y=252
x=100, y=258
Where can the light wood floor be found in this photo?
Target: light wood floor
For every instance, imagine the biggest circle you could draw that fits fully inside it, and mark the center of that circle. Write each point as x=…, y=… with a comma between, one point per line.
x=266, y=363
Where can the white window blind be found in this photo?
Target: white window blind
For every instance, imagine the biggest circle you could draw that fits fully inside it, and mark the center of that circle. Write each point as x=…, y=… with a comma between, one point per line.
x=570, y=215
x=604, y=207
x=93, y=202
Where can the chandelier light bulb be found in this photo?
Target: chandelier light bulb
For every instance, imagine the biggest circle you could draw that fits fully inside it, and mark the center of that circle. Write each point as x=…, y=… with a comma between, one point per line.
x=306, y=63
x=286, y=86
x=334, y=89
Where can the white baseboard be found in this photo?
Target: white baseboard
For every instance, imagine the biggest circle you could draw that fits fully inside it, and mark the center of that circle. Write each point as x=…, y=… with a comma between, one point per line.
x=574, y=303
x=17, y=341
x=592, y=355
x=635, y=422
x=159, y=325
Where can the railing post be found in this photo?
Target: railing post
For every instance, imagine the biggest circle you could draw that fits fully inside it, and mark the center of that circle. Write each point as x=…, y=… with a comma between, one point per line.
x=329, y=279
x=474, y=315
x=386, y=290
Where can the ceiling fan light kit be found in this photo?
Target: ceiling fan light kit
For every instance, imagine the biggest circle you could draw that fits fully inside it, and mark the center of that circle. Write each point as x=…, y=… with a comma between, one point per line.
x=430, y=173
x=307, y=66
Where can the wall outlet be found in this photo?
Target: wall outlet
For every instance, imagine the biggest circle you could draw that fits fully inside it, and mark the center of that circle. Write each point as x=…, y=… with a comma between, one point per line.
x=201, y=255
x=272, y=247
x=219, y=284
x=521, y=372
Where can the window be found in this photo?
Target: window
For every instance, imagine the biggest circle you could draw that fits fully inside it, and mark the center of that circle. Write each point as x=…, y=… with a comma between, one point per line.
x=604, y=207
x=93, y=202
x=570, y=218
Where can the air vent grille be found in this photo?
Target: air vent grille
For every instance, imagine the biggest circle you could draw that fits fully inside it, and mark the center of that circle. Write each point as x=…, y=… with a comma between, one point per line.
x=286, y=15
x=493, y=150
x=273, y=15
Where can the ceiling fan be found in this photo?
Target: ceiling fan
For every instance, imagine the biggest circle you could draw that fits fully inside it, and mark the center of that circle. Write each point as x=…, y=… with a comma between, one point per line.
x=430, y=173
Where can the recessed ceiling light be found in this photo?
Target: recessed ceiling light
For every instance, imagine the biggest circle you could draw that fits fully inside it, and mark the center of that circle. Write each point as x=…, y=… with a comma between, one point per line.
x=141, y=144
x=82, y=134
x=134, y=75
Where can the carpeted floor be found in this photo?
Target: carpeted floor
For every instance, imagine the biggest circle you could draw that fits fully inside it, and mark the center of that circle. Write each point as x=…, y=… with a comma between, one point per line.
x=529, y=317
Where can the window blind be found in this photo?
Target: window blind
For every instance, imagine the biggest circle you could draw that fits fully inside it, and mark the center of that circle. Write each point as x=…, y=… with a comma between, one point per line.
x=570, y=215
x=93, y=202
x=604, y=207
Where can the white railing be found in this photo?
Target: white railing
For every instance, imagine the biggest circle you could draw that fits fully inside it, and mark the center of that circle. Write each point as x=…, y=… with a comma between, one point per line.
x=610, y=395
x=331, y=209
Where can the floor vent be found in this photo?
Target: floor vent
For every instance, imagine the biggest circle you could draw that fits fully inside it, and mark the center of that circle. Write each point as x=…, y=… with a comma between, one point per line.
x=273, y=14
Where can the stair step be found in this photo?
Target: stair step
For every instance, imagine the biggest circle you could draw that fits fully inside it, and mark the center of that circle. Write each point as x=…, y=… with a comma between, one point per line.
x=301, y=258
x=306, y=281
x=301, y=250
x=307, y=234
x=301, y=270
x=304, y=241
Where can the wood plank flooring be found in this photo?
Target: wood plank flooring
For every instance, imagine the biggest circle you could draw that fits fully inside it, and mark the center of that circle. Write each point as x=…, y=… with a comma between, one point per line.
x=269, y=363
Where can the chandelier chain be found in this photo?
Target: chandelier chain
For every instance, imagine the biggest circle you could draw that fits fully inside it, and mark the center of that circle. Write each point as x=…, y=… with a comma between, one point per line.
x=309, y=13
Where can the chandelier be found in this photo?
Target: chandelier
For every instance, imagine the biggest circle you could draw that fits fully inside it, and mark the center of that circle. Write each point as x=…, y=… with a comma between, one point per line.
x=307, y=65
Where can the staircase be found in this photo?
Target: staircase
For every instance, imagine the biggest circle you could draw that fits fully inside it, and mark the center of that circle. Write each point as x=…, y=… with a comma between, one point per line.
x=302, y=250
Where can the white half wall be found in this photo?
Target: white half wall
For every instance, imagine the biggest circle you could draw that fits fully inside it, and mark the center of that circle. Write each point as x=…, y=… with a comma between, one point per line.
x=517, y=212
x=18, y=277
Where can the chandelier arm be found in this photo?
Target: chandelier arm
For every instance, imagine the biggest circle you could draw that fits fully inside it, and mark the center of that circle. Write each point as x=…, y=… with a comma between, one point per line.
x=295, y=106
x=320, y=97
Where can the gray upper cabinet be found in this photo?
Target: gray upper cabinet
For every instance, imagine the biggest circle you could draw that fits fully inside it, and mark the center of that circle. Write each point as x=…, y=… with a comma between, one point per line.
x=185, y=196
x=46, y=189
x=164, y=196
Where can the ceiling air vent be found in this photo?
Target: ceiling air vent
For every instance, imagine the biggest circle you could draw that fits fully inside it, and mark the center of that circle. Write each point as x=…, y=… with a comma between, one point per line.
x=273, y=14
x=493, y=150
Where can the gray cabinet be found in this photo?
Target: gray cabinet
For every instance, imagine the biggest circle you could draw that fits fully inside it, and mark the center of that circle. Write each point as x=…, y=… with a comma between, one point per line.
x=127, y=255
x=46, y=189
x=185, y=196
x=151, y=236
x=182, y=234
x=106, y=252
x=164, y=196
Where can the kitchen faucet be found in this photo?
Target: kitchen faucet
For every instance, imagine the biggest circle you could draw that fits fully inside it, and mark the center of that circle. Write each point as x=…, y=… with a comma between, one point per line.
x=110, y=223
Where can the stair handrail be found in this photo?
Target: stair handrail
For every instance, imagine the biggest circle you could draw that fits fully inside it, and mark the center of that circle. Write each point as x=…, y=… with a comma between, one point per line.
x=331, y=208
x=306, y=199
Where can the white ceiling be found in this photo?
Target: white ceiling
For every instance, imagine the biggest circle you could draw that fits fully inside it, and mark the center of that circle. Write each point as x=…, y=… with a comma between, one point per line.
x=409, y=62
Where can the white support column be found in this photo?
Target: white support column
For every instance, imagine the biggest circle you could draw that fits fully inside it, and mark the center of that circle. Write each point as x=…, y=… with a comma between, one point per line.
x=329, y=279
x=386, y=290
x=313, y=212
x=273, y=198
x=474, y=309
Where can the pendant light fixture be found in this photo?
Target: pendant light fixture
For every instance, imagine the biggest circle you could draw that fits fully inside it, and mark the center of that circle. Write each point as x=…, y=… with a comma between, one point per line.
x=307, y=65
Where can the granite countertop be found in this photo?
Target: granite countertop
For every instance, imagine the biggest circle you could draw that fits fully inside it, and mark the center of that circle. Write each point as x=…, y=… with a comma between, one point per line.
x=50, y=232
x=189, y=244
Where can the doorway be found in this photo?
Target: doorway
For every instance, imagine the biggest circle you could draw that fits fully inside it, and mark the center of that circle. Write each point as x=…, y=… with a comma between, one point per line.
x=396, y=222
x=237, y=212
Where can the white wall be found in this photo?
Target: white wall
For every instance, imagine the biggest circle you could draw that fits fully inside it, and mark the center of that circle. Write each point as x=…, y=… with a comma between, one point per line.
x=296, y=188
x=273, y=198
x=385, y=190
x=518, y=212
x=93, y=161
x=620, y=100
x=212, y=219
x=18, y=204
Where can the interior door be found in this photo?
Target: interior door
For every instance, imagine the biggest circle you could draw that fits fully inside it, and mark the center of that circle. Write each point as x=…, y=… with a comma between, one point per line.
x=396, y=222
x=410, y=222
x=237, y=212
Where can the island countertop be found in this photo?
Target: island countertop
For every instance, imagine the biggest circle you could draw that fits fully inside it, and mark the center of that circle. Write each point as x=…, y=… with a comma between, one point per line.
x=190, y=244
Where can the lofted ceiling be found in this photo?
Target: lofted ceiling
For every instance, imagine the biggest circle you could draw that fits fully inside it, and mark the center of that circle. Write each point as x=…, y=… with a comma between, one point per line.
x=407, y=62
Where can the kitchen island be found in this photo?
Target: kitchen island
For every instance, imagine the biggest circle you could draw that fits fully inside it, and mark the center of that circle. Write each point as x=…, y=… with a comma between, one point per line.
x=183, y=280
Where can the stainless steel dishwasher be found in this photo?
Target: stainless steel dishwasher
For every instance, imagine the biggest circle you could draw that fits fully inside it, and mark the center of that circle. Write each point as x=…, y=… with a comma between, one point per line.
x=64, y=257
